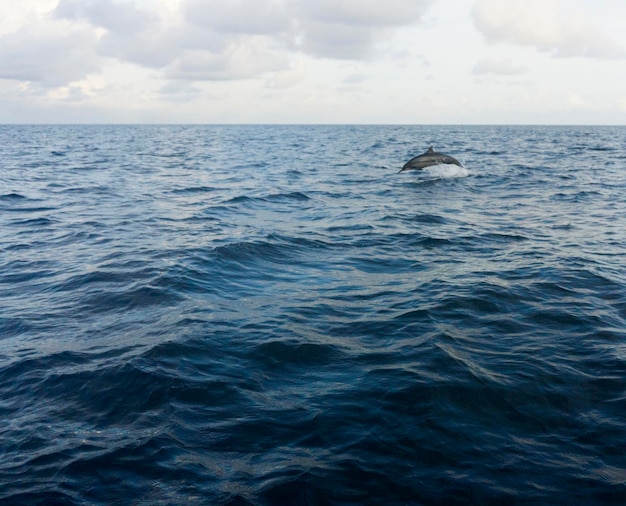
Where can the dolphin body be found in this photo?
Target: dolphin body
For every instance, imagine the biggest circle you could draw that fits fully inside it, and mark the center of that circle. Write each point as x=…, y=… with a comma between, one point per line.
x=427, y=159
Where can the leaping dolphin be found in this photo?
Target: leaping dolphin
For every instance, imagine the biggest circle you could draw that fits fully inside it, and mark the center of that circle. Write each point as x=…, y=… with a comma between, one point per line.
x=427, y=159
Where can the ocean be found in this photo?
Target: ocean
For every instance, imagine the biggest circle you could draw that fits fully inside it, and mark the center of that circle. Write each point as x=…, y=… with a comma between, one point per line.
x=273, y=315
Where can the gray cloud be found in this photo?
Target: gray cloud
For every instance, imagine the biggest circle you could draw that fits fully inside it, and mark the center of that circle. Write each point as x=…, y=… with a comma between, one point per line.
x=339, y=29
x=132, y=34
x=543, y=24
x=251, y=17
x=332, y=40
x=371, y=13
x=47, y=54
x=198, y=40
x=355, y=79
x=121, y=17
x=349, y=29
x=243, y=60
x=203, y=41
x=179, y=91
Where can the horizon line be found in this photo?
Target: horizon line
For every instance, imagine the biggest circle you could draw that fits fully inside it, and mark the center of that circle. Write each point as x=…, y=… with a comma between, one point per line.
x=314, y=124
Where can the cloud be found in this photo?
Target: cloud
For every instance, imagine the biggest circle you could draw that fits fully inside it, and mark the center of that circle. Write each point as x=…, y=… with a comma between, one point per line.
x=328, y=40
x=338, y=29
x=288, y=78
x=122, y=17
x=130, y=33
x=243, y=59
x=349, y=29
x=355, y=79
x=369, y=13
x=49, y=54
x=179, y=91
x=499, y=67
x=575, y=100
x=548, y=25
x=250, y=17
x=197, y=40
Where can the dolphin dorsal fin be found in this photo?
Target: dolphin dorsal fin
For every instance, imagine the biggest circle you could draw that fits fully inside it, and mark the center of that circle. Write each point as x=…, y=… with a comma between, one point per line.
x=430, y=150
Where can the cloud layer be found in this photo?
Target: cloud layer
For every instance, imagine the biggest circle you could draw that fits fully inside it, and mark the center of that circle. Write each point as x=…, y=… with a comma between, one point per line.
x=197, y=40
x=547, y=25
x=212, y=40
x=311, y=60
x=505, y=67
x=50, y=54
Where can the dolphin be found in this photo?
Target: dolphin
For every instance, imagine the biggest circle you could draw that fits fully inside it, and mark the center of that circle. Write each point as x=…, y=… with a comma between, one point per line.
x=427, y=159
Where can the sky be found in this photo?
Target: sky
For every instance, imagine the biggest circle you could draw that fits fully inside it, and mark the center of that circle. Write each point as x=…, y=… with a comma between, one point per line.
x=313, y=61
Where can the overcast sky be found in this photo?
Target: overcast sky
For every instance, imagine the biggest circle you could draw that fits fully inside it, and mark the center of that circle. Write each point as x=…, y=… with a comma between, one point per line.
x=313, y=61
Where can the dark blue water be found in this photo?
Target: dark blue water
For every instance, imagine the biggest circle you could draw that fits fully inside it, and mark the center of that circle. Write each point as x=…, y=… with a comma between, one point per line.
x=272, y=315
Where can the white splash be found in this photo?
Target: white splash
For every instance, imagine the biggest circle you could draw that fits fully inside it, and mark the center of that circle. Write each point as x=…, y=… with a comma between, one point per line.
x=446, y=170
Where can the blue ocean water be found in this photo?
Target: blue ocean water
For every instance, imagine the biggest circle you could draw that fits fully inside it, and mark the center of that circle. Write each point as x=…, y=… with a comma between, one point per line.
x=273, y=315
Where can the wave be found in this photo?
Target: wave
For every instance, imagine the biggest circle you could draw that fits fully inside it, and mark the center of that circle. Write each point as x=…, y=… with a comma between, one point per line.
x=272, y=198
x=251, y=252
x=195, y=189
x=309, y=329
x=12, y=196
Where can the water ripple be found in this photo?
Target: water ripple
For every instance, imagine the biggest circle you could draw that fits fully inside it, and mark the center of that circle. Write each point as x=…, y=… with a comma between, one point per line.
x=272, y=315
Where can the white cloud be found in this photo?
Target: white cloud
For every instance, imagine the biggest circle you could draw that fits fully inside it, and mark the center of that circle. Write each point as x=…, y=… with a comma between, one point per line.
x=355, y=79
x=548, y=25
x=288, y=78
x=13, y=15
x=505, y=67
x=575, y=100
